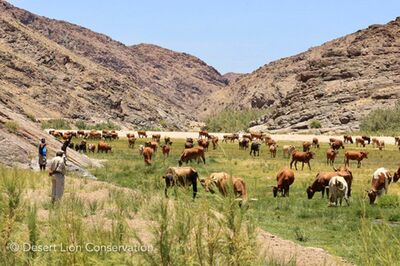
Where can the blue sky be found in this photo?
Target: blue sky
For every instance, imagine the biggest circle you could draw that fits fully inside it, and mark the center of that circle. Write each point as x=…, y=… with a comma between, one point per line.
x=235, y=35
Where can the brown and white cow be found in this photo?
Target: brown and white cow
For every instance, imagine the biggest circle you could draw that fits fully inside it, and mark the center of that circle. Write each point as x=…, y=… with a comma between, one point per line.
x=142, y=134
x=380, y=184
x=203, y=134
x=284, y=179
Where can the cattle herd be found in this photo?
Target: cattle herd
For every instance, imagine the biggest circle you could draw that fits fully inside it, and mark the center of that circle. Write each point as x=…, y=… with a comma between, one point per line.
x=336, y=184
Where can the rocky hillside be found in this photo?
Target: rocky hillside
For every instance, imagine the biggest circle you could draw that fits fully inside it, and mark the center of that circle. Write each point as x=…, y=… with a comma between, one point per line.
x=335, y=83
x=51, y=68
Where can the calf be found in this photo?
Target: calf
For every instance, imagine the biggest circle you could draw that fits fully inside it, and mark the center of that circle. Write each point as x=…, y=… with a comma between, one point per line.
x=315, y=143
x=131, y=142
x=272, y=150
x=214, y=141
x=147, y=154
x=366, y=138
x=255, y=148
x=360, y=141
x=303, y=157
x=222, y=181
x=166, y=149
x=380, y=183
x=156, y=137
x=288, y=150
x=181, y=176
x=338, y=189
x=337, y=144
x=244, y=144
x=284, y=179
x=142, y=134
x=196, y=153
x=330, y=156
x=347, y=139
x=356, y=156
x=306, y=146
x=381, y=145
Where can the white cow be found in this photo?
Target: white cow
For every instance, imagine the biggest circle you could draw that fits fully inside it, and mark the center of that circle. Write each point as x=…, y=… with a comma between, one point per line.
x=338, y=190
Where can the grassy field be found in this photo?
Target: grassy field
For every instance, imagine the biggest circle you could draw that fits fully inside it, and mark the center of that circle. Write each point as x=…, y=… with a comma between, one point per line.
x=362, y=234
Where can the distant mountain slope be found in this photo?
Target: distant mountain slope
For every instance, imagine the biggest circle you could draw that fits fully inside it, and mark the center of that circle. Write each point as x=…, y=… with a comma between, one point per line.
x=335, y=83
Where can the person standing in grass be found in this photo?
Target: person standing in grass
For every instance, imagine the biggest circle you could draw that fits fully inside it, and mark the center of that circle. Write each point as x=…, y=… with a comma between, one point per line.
x=57, y=172
x=42, y=155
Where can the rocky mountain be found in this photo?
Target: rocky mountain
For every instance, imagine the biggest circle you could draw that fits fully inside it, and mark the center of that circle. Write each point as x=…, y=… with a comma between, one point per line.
x=335, y=83
x=52, y=68
x=233, y=77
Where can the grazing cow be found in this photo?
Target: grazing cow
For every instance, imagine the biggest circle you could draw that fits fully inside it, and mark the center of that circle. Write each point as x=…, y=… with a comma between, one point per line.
x=284, y=178
x=303, y=157
x=380, y=183
x=259, y=136
x=204, y=143
x=306, y=146
x=181, y=176
x=130, y=135
x=189, y=140
x=330, y=156
x=255, y=148
x=114, y=135
x=107, y=136
x=142, y=134
x=338, y=190
x=367, y=138
x=167, y=140
x=92, y=148
x=243, y=144
x=288, y=150
x=337, y=144
x=81, y=147
x=147, y=154
x=151, y=144
x=272, y=150
x=190, y=154
x=141, y=149
x=346, y=173
x=203, y=133
x=156, y=137
x=214, y=141
x=347, y=139
x=381, y=144
x=230, y=137
x=103, y=147
x=94, y=135
x=188, y=145
x=355, y=156
x=165, y=149
x=131, y=142
x=80, y=133
x=397, y=141
x=360, y=141
x=331, y=140
x=221, y=181
x=247, y=136
x=315, y=143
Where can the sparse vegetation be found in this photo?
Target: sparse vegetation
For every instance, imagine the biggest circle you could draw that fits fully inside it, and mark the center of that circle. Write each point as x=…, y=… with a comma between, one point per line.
x=233, y=120
x=105, y=126
x=11, y=126
x=384, y=120
x=315, y=124
x=81, y=125
x=56, y=124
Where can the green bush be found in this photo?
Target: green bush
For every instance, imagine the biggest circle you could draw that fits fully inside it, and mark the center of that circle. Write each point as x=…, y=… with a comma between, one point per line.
x=232, y=120
x=56, y=124
x=12, y=126
x=382, y=120
x=315, y=124
x=81, y=125
x=106, y=125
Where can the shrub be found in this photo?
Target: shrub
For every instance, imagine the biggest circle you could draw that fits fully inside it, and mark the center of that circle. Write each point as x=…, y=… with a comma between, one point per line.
x=31, y=117
x=56, y=124
x=385, y=119
x=315, y=124
x=81, y=125
x=12, y=126
x=233, y=120
x=106, y=125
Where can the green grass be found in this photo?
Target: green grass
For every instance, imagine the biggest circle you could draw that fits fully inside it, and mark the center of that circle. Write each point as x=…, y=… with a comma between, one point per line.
x=308, y=222
x=11, y=126
x=383, y=120
x=233, y=120
x=56, y=124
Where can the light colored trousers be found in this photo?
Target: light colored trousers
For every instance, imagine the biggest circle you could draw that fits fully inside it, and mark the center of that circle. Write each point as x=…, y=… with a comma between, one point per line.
x=57, y=189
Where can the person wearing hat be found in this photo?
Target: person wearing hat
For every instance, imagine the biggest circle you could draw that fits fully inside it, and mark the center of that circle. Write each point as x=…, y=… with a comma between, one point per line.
x=57, y=172
x=42, y=154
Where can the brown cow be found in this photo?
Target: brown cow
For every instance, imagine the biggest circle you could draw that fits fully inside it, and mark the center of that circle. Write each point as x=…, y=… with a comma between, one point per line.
x=259, y=136
x=130, y=135
x=315, y=143
x=142, y=134
x=103, y=147
x=165, y=149
x=243, y=144
x=151, y=144
x=181, y=176
x=303, y=157
x=356, y=156
x=114, y=135
x=203, y=133
x=188, y=145
x=380, y=183
x=284, y=178
x=230, y=137
x=306, y=146
x=192, y=154
x=396, y=175
x=360, y=141
x=288, y=150
x=131, y=142
x=94, y=135
x=381, y=145
x=204, y=143
x=147, y=154
x=337, y=144
x=397, y=141
x=221, y=181
x=156, y=137
x=331, y=155
x=272, y=150
x=269, y=141
x=214, y=141
x=347, y=139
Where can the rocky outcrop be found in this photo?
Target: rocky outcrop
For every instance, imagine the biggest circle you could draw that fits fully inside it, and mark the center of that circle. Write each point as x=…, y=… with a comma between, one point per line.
x=336, y=83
